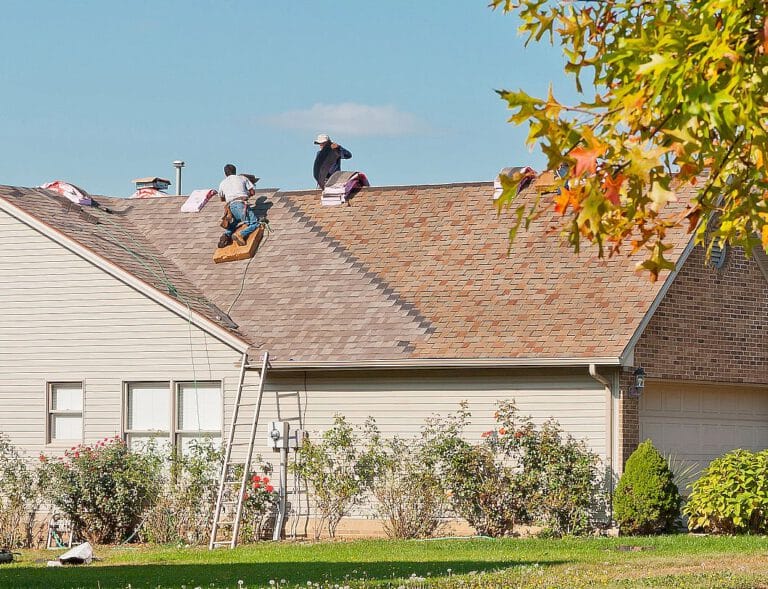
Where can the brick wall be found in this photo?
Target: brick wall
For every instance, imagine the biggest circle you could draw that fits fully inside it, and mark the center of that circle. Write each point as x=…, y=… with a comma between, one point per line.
x=712, y=326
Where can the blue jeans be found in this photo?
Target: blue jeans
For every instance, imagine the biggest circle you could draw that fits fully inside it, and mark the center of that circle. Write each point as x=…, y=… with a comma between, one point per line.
x=243, y=214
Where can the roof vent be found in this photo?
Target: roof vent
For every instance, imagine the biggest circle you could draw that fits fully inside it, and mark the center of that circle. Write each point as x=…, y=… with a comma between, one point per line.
x=340, y=187
x=526, y=175
x=178, y=164
x=717, y=254
x=150, y=187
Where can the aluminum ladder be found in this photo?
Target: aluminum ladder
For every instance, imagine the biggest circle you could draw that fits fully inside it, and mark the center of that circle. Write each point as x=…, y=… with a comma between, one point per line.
x=231, y=481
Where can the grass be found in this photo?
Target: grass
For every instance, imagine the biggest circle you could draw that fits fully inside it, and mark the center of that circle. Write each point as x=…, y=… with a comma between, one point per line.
x=670, y=561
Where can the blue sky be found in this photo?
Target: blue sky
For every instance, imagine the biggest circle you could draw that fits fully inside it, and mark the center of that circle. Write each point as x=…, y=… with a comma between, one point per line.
x=99, y=93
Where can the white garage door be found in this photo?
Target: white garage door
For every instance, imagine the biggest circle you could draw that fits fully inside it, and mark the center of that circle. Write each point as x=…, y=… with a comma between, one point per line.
x=698, y=423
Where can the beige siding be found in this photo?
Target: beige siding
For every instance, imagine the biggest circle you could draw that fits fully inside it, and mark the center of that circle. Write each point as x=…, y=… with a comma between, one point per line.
x=63, y=319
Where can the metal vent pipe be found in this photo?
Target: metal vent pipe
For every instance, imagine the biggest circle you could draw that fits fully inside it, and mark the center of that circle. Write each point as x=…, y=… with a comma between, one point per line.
x=178, y=164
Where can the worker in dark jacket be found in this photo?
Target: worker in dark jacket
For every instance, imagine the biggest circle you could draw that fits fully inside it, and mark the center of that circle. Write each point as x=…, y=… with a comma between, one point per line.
x=328, y=159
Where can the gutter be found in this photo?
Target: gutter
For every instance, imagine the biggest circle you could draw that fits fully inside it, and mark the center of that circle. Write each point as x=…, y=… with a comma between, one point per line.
x=436, y=363
x=610, y=433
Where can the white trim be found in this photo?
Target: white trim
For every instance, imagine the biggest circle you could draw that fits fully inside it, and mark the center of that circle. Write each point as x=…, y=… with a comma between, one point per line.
x=434, y=363
x=628, y=351
x=126, y=277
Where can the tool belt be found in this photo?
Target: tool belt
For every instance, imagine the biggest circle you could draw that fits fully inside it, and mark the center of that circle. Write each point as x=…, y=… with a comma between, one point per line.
x=228, y=217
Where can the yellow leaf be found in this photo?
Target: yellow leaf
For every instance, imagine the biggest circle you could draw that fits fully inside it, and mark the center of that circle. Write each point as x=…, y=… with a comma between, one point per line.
x=765, y=238
x=660, y=196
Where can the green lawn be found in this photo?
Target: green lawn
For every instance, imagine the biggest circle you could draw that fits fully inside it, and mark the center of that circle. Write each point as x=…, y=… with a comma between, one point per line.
x=671, y=561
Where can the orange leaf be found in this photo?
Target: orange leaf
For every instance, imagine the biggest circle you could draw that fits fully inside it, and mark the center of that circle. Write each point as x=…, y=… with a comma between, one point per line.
x=586, y=159
x=561, y=201
x=612, y=187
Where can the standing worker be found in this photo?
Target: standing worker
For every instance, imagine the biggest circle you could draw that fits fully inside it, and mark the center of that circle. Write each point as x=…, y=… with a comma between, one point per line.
x=235, y=190
x=328, y=159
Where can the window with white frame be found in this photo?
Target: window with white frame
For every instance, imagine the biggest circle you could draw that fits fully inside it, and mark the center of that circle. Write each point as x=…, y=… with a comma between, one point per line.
x=65, y=412
x=164, y=413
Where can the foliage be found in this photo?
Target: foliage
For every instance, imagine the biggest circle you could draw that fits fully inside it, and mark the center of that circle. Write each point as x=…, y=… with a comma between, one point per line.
x=646, y=500
x=731, y=496
x=260, y=500
x=410, y=499
x=19, y=496
x=103, y=488
x=184, y=507
x=339, y=469
x=517, y=474
x=678, y=90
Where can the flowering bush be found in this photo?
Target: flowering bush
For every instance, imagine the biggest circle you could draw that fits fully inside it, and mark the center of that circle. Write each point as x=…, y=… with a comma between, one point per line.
x=258, y=505
x=184, y=507
x=19, y=496
x=103, y=488
x=518, y=473
x=339, y=469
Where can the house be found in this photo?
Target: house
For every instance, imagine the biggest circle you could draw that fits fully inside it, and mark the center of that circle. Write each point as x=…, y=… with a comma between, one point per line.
x=115, y=321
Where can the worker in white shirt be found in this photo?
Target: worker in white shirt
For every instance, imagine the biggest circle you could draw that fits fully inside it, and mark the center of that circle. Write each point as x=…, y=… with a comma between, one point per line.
x=235, y=190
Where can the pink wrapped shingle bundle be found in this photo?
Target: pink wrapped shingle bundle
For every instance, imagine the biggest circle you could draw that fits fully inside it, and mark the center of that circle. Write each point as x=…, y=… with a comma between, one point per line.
x=197, y=200
x=69, y=191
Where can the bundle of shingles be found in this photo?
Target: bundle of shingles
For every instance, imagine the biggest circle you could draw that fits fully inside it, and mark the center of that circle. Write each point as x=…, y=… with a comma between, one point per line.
x=341, y=186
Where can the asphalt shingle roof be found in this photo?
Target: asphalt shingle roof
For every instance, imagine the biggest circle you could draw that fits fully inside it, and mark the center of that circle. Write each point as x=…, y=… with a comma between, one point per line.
x=409, y=272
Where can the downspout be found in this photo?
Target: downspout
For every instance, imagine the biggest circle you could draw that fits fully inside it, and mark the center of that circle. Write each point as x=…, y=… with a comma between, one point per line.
x=609, y=445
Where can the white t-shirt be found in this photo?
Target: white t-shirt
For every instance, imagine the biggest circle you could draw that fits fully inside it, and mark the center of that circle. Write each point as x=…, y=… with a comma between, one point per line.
x=235, y=187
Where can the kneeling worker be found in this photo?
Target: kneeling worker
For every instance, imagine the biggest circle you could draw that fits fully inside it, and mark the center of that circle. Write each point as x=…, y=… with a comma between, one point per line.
x=235, y=190
x=328, y=159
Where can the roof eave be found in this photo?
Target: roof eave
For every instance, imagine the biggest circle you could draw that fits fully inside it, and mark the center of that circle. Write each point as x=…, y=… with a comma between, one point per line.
x=437, y=363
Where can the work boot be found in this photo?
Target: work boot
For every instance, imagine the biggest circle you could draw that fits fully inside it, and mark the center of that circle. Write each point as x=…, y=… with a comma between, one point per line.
x=239, y=238
x=225, y=240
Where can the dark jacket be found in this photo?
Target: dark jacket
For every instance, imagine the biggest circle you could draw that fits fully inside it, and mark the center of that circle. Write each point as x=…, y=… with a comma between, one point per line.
x=328, y=161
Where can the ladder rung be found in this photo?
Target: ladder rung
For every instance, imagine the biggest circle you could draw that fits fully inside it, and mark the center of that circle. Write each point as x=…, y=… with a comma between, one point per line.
x=222, y=542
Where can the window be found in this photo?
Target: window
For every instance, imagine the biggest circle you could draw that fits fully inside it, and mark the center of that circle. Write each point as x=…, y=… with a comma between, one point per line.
x=65, y=412
x=198, y=413
x=148, y=414
x=172, y=413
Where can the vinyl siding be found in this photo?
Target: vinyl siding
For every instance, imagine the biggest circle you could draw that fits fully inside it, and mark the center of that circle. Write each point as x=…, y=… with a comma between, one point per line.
x=64, y=319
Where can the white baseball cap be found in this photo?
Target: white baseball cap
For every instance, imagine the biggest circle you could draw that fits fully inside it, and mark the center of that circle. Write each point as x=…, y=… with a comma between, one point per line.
x=322, y=138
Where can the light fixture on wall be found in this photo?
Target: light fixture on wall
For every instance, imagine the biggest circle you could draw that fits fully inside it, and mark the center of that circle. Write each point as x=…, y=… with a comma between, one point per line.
x=638, y=382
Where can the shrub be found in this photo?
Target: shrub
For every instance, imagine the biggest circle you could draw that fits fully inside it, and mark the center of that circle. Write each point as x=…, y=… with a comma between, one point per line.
x=646, y=500
x=732, y=495
x=411, y=501
x=481, y=487
x=562, y=471
x=518, y=473
x=183, y=510
x=103, y=488
x=338, y=469
x=19, y=497
x=258, y=506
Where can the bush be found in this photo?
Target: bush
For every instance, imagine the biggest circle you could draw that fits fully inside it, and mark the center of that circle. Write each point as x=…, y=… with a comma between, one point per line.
x=646, y=500
x=410, y=499
x=103, y=488
x=258, y=507
x=338, y=469
x=731, y=496
x=183, y=510
x=19, y=497
x=517, y=474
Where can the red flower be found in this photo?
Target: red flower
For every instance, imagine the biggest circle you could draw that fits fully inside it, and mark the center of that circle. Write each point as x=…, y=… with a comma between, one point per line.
x=502, y=431
x=518, y=434
x=265, y=480
x=270, y=488
x=43, y=458
x=77, y=454
x=255, y=478
x=485, y=434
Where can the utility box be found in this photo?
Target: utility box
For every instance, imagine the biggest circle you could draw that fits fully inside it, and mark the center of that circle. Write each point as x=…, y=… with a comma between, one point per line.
x=278, y=435
x=296, y=438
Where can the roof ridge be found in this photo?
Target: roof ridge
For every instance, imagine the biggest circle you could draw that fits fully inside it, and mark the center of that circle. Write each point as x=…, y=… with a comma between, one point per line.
x=389, y=188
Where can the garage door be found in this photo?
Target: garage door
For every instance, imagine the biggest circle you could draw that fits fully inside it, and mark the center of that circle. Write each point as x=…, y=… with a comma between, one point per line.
x=698, y=423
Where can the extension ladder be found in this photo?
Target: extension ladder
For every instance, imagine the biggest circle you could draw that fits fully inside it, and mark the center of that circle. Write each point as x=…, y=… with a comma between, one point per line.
x=232, y=483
